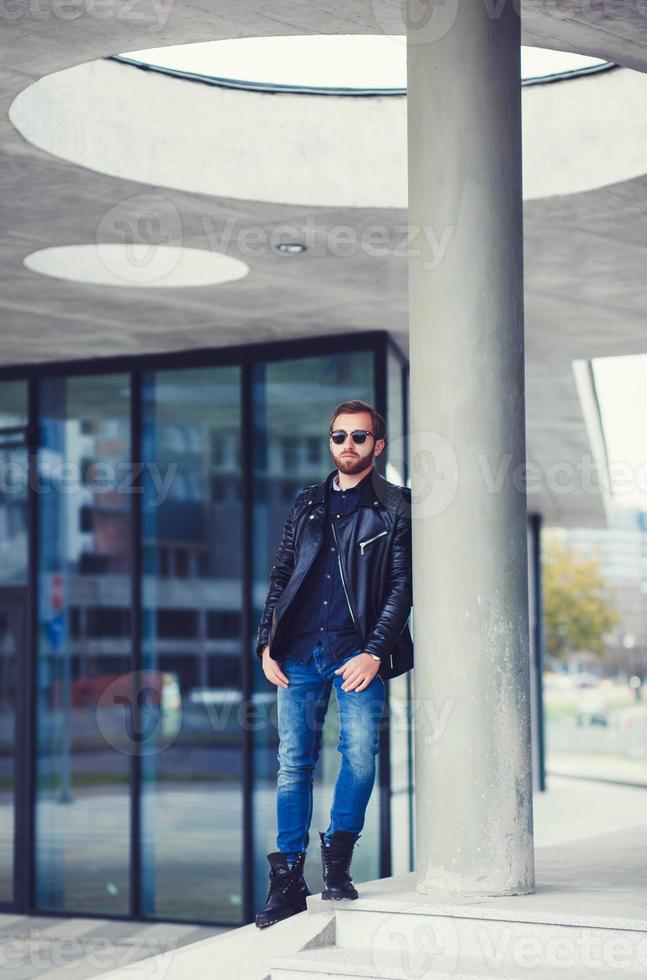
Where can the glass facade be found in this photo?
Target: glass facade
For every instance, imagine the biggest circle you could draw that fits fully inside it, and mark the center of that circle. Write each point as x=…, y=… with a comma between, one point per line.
x=140, y=511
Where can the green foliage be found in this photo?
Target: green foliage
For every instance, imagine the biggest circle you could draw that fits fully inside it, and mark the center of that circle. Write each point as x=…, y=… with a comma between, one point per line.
x=577, y=609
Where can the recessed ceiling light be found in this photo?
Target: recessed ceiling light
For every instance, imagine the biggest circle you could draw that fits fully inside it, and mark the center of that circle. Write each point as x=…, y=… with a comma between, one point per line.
x=291, y=248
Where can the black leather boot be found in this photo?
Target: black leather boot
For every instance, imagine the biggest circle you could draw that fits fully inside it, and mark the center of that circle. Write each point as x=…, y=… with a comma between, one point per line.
x=336, y=856
x=288, y=889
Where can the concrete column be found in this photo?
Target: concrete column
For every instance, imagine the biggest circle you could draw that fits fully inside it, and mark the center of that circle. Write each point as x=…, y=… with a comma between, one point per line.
x=472, y=686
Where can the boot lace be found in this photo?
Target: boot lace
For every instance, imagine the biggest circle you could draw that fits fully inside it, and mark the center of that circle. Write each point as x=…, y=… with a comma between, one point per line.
x=282, y=883
x=337, y=859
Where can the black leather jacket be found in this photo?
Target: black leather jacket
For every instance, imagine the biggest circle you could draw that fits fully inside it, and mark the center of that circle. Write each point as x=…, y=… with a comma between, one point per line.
x=374, y=550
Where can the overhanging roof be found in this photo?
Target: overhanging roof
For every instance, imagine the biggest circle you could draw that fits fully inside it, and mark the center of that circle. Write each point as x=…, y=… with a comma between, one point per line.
x=585, y=252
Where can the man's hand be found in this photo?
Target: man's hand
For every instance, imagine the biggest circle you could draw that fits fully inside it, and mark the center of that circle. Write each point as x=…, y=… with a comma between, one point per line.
x=359, y=672
x=272, y=670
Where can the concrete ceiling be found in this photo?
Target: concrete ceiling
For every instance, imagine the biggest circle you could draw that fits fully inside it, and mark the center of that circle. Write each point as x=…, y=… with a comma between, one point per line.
x=585, y=253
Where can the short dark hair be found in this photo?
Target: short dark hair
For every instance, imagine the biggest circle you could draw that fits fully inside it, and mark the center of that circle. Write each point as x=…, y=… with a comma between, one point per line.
x=355, y=406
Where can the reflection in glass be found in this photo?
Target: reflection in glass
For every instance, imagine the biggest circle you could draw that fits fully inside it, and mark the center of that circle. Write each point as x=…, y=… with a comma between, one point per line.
x=83, y=752
x=293, y=401
x=13, y=598
x=593, y=617
x=400, y=743
x=192, y=764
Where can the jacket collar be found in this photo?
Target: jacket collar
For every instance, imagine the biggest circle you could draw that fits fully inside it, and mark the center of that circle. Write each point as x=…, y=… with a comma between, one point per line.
x=372, y=489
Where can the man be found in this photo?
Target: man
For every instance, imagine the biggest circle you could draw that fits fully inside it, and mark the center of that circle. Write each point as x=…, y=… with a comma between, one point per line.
x=336, y=615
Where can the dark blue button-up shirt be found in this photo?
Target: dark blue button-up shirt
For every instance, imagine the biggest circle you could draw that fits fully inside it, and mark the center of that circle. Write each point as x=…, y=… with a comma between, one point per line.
x=320, y=608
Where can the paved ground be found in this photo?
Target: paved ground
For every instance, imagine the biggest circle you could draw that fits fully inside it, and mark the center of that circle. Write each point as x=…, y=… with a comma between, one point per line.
x=592, y=765
x=75, y=949
x=79, y=948
x=574, y=809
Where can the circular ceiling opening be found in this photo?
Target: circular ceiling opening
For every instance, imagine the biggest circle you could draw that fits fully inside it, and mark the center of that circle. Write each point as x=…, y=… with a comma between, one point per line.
x=136, y=264
x=543, y=64
x=332, y=64
x=327, y=64
x=311, y=150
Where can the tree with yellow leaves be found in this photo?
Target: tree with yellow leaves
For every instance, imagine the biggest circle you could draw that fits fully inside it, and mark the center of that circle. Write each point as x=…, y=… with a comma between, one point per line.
x=577, y=608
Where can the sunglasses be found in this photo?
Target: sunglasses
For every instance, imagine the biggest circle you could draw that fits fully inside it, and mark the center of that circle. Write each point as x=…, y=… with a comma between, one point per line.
x=338, y=436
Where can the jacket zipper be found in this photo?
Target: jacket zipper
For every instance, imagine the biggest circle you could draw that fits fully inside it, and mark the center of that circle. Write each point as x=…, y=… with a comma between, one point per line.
x=362, y=544
x=343, y=580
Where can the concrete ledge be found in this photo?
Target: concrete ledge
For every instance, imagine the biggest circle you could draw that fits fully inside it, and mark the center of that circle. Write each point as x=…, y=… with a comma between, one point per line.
x=243, y=953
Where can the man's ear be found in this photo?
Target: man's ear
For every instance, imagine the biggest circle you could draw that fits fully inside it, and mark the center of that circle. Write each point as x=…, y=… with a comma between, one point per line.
x=379, y=446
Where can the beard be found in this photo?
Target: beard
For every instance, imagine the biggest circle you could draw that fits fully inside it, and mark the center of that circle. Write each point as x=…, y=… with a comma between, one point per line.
x=349, y=465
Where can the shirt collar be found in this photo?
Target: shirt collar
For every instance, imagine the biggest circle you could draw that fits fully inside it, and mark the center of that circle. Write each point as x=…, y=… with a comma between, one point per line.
x=373, y=489
x=335, y=482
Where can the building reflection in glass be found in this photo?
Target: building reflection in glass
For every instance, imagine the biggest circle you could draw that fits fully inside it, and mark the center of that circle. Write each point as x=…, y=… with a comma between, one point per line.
x=84, y=647
x=192, y=799
x=13, y=604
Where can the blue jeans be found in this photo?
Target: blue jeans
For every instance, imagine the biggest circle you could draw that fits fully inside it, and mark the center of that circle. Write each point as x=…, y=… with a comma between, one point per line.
x=302, y=710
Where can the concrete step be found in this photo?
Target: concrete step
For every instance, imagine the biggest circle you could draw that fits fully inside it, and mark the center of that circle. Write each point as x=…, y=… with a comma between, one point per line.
x=399, y=934
x=342, y=963
x=517, y=930
x=491, y=940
